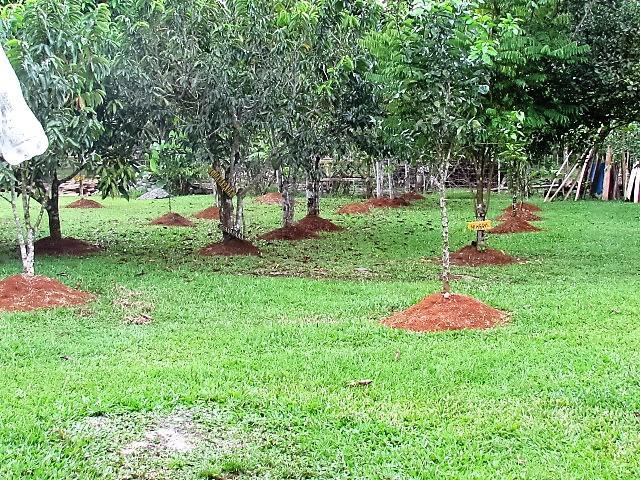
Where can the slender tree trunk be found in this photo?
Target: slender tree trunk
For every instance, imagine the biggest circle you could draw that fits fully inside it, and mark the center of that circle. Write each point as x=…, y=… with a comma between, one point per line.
x=52, y=207
x=481, y=206
x=238, y=225
x=288, y=212
x=407, y=179
x=444, y=215
x=379, y=173
x=390, y=179
x=313, y=189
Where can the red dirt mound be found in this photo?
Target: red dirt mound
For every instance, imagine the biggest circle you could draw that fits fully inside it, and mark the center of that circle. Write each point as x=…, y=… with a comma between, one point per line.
x=436, y=313
x=294, y=232
x=412, y=196
x=514, y=225
x=525, y=206
x=65, y=246
x=355, y=208
x=22, y=293
x=388, y=202
x=84, y=203
x=230, y=248
x=314, y=223
x=172, y=220
x=211, y=213
x=273, y=198
x=469, y=256
x=527, y=215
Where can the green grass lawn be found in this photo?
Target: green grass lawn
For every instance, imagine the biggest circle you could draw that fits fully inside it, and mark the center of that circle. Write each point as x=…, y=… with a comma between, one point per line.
x=259, y=352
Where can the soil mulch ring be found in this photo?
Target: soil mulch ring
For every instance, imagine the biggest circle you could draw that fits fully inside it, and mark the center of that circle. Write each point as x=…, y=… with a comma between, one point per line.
x=388, y=202
x=211, y=213
x=525, y=206
x=230, y=248
x=314, y=223
x=172, y=220
x=437, y=313
x=355, y=208
x=527, y=215
x=273, y=198
x=293, y=232
x=84, y=203
x=514, y=225
x=412, y=196
x=65, y=246
x=365, y=207
x=469, y=256
x=22, y=293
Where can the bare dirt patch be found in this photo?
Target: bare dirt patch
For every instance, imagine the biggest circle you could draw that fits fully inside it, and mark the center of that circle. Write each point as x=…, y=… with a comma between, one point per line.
x=514, y=225
x=388, y=202
x=469, y=256
x=228, y=248
x=134, y=309
x=179, y=445
x=526, y=206
x=439, y=312
x=65, y=246
x=412, y=196
x=21, y=293
x=211, y=213
x=314, y=223
x=172, y=220
x=84, y=203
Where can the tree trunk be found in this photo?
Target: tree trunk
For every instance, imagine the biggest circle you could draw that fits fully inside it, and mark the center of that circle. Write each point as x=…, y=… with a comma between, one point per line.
x=444, y=215
x=313, y=189
x=288, y=212
x=407, y=179
x=390, y=179
x=481, y=206
x=379, y=173
x=53, y=209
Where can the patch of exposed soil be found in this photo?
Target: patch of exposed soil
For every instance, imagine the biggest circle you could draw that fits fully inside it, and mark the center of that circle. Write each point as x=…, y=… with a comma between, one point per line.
x=135, y=310
x=65, y=246
x=84, y=203
x=314, y=223
x=524, y=214
x=436, y=313
x=172, y=220
x=21, y=293
x=273, y=198
x=514, y=225
x=469, y=256
x=211, y=213
x=294, y=232
x=412, y=196
x=355, y=208
x=388, y=202
x=525, y=206
x=230, y=248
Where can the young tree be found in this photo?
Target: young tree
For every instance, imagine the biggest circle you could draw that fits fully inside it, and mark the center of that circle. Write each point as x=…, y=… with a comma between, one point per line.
x=432, y=61
x=61, y=54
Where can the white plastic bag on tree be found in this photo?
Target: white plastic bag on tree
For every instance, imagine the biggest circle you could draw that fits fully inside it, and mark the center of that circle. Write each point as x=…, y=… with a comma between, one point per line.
x=21, y=135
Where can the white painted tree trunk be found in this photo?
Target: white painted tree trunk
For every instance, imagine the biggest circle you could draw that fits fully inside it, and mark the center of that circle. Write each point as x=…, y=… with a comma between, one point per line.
x=444, y=216
x=379, y=177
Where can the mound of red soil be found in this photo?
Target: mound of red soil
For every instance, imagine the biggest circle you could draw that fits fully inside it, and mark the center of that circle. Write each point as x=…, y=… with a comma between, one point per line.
x=314, y=223
x=230, y=248
x=211, y=213
x=527, y=215
x=514, y=225
x=172, y=220
x=525, y=206
x=84, y=203
x=22, y=293
x=294, y=232
x=469, y=256
x=412, y=196
x=388, y=202
x=355, y=208
x=436, y=313
x=65, y=246
x=273, y=198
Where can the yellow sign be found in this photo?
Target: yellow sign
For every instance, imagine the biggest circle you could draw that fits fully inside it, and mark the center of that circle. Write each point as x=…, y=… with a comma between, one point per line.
x=477, y=226
x=217, y=176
